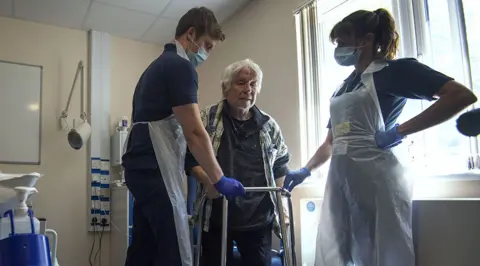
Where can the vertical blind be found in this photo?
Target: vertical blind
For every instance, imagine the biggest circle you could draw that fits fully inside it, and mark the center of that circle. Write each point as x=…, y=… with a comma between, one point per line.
x=309, y=69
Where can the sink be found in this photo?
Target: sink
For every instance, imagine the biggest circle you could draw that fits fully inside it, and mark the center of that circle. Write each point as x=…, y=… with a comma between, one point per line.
x=7, y=184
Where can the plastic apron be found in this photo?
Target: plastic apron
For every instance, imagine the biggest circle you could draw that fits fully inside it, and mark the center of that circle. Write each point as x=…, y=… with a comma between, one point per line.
x=170, y=147
x=366, y=213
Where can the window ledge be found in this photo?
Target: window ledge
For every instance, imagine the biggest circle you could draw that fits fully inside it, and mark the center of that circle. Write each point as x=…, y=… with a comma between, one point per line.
x=465, y=186
x=467, y=176
x=451, y=186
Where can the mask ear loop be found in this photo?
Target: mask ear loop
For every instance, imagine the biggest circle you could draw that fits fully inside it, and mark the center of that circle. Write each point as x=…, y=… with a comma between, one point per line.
x=191, y=40
x=201, y=50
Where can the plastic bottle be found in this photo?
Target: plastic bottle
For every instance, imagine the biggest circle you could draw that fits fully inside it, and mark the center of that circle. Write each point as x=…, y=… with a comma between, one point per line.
x=23, y=220
x=122, y=124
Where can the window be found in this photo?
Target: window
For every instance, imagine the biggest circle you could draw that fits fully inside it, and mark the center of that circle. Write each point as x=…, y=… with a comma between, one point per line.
x=441, y=149
x=473, y=42
x=439, y=33
x=470, y=7
x=309, y=59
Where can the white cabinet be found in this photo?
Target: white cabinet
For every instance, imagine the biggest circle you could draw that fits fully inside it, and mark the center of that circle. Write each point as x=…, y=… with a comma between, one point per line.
x=121, y=224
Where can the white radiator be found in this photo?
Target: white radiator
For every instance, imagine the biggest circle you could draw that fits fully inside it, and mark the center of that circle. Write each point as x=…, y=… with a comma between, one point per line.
x=309, y=218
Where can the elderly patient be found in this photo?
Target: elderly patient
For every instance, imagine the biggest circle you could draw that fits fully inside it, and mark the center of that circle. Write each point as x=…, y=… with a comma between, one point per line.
x=249, y=145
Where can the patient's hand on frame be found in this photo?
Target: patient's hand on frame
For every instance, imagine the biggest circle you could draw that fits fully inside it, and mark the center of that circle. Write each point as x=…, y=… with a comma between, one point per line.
x=212, y=193
x=202, y=177
x=279, y=182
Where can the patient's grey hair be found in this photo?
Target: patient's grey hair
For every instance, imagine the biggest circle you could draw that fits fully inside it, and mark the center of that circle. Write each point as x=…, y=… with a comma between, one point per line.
x=231, y=71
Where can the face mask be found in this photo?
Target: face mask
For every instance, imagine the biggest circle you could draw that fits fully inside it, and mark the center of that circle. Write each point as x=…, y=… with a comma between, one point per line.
x=347, y=56
x=197, y=58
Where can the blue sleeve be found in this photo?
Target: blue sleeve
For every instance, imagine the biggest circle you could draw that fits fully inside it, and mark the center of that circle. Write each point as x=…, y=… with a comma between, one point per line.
x=182, y=83
x=411, y=79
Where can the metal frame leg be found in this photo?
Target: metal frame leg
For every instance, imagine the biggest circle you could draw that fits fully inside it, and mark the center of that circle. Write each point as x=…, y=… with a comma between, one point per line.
x=224, y=232
x=198, y=246
x=292, y=230
x=288, y=241
x=283, y=227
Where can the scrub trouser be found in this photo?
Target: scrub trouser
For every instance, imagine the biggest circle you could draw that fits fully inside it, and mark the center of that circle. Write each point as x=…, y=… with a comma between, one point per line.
x=254, y=246
x=154, y=239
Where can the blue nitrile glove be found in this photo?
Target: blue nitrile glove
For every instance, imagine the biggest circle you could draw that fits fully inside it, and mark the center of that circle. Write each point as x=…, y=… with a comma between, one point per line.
x=230, y=187
x=388, y=139
x=295, y=178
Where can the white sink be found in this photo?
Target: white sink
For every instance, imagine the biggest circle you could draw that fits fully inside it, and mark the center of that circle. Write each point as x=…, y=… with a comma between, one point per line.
x=8, y=182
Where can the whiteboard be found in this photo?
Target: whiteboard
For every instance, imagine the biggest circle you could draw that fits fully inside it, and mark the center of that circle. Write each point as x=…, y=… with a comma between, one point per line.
x=20, y=113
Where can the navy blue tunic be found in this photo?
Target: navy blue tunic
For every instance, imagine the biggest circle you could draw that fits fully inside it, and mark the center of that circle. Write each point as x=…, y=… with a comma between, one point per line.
x=402, y=79
x=169, y=81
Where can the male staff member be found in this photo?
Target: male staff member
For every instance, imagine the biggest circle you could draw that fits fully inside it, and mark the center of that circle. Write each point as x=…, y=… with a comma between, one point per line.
x=166, y=118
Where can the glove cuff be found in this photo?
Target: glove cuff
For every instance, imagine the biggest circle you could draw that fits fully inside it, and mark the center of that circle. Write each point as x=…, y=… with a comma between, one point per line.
x=220, y=182
x=398, y=135
x=306, y=171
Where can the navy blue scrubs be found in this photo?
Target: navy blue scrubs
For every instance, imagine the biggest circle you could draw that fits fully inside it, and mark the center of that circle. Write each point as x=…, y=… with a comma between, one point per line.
x=169, y=81
x=402, y=79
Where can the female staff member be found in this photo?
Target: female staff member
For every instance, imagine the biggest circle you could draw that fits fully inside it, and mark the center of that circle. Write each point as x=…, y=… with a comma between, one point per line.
x=366, y=213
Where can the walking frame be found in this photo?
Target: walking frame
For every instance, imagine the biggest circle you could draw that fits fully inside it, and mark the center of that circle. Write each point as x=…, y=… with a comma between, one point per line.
x=288, y=236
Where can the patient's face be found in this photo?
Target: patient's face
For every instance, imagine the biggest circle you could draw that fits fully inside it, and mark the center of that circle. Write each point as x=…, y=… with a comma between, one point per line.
x=244, y=89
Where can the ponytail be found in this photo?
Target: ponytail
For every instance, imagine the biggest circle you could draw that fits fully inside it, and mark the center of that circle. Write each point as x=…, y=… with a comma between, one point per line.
x=386, y=36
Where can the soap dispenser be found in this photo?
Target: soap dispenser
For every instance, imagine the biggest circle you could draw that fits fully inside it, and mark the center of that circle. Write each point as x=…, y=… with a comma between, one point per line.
x=21, y=244
x=20, y=220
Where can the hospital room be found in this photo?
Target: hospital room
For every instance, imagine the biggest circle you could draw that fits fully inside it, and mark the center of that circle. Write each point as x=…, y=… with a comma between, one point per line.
x=239, y=132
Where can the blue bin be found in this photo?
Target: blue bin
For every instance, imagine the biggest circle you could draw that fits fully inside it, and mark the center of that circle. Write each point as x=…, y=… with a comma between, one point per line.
x=25, y=250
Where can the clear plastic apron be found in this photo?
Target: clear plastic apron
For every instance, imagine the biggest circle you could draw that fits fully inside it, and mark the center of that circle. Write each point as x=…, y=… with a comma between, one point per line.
x=170, y=147
x=366, y=213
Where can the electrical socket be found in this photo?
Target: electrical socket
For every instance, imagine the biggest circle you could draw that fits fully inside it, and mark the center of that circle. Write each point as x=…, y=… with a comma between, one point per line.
x=104, y=222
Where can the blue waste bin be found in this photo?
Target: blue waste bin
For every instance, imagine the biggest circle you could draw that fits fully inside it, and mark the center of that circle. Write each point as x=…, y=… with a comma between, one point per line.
x=25, y=250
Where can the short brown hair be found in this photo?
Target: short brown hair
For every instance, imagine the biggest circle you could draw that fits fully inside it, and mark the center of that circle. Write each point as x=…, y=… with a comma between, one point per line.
x=379, y=22
x=203, y=21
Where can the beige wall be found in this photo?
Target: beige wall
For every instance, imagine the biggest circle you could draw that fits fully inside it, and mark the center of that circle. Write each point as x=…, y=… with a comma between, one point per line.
x=265, y=32
x=128, y=60
x=63, y=191
x=62, y=197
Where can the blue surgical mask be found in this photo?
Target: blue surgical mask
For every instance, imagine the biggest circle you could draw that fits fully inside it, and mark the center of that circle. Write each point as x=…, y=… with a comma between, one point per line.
x=347, y=56
x=199, y=57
